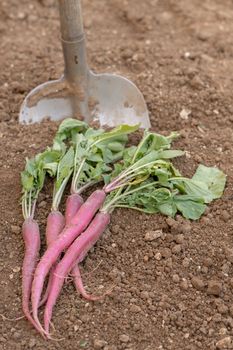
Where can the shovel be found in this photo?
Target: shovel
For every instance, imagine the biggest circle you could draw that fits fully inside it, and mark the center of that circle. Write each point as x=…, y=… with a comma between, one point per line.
x=104, y=98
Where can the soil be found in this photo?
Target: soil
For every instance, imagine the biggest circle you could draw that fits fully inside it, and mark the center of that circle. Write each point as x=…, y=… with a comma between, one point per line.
x=173, y=292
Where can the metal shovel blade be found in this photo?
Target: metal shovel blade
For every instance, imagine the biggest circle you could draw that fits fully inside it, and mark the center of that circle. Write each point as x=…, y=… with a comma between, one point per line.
x=118, y=101
x=109, y=99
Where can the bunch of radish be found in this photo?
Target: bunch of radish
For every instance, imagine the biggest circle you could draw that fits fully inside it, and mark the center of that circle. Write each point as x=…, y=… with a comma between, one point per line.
x=138, y=177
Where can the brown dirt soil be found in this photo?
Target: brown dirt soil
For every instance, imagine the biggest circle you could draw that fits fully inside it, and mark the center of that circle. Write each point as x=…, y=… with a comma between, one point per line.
x=174, y=292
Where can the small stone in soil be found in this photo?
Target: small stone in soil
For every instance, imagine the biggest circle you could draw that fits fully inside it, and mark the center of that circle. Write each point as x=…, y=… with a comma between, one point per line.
x=229, y=254
x=176, y=278
x=76, y=327
x=186, y=262
x=222, y=331
x=196, y=83
x=115, y=229
x=136, y=327
x=135, y=308
x=144, y=295
x=171, y=222
x=208, y=262
x=214, y=288
x=158, y=256
x=169, y=237
x=204, y=269
x=224, y=343
x=32, y=343
x=16, y=269
x=17, y=335
x=198, y=283
x=186, y=228
x=166, y=253
x=110, y=347
x=226, y=268
x=176, y=249
x=153, y=235
x=225, y=216
x=15, y=229
x=42, y=204
x=124, y=338
x=179, y=239
x=222, y=309
x=184, y=284
x=99, y=344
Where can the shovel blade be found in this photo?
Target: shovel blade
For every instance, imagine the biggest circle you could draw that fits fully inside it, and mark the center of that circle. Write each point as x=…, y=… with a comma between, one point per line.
x=46, y=101
x=106, y=98
x=116, y=100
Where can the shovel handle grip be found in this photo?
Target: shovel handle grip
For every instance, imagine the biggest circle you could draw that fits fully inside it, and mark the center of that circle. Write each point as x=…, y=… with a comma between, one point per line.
x=71, y=20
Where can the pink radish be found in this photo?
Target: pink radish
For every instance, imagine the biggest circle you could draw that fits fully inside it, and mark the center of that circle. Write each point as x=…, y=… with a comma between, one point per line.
x=31, y=236
x=79, y=247
x=79, y=222
x=55, y=225
x=73, y=204
x=80, y=287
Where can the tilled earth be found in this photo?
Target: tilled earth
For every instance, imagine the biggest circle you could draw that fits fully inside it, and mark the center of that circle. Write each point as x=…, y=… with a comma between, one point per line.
x=173, y=278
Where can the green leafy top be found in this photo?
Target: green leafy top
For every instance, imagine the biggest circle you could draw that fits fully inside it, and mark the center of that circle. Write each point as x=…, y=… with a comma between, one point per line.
x=33, y=177
x=175, y=194
x=94, y=151
x=153, y=142
x=64, y=171
x=147, y=181
x=147, y=159
x=53, y=161
x=66, y=131
x=214, y=179
x=76, y=148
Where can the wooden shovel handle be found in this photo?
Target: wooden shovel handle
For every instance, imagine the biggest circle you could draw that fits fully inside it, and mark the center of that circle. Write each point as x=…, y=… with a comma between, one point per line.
x=71, y=19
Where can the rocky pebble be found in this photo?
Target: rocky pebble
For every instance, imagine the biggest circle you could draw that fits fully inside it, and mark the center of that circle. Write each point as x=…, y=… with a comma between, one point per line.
x=214, y=288
x=198, y=283
x=225, y=343
x=124, y=338
x=153, y=235
x=99, y=344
